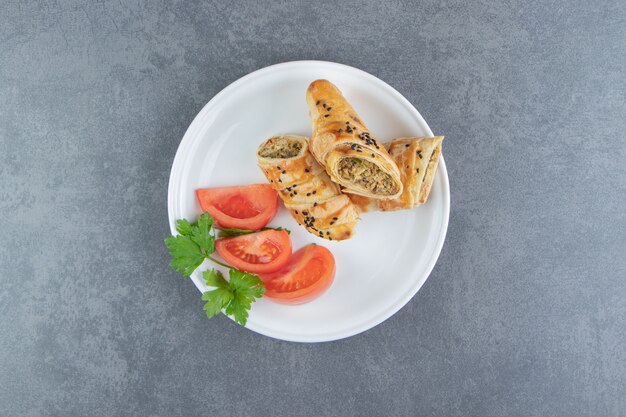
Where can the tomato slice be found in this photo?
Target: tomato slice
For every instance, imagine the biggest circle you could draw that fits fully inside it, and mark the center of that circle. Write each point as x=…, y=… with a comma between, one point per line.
x=309, y=273
x=248, y=207
x=259, y=252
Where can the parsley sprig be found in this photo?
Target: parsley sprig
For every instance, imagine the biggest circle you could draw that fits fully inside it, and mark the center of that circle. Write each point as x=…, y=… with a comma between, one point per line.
x=235, y=296
x=231, y=231
x=195, y=243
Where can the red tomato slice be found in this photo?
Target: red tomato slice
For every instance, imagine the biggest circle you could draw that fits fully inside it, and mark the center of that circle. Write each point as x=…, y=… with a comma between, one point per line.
x=248, y=207
x=309, y=273
x=259, y=252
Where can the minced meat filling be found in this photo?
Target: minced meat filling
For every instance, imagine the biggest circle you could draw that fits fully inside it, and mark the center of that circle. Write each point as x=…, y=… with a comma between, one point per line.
x=280, y=148
x=367, y=175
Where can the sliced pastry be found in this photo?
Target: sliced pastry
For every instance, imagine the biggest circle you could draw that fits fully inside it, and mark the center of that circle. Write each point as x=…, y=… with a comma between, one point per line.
x=417, y=159
x=306, y=189
x=346, y=148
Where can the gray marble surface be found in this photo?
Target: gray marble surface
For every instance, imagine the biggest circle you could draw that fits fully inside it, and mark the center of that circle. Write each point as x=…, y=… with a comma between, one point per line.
x=523, y=315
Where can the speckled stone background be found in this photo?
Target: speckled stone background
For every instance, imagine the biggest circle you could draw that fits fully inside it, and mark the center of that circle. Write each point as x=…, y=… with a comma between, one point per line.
x=524, y=314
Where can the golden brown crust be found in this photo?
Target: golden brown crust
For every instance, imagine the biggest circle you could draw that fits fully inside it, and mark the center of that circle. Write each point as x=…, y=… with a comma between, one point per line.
x=431, y=169
x=417, y=158
x=364, y=204
x=338, y=133
x=308, y=193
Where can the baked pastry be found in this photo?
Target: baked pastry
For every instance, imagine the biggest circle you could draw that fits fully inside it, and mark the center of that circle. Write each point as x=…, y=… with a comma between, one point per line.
x=345, y=147
x=305, y=188
x=417, y=159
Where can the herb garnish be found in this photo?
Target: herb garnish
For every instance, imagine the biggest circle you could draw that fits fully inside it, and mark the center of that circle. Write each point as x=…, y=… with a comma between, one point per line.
x=230, y=231
x=190, y=248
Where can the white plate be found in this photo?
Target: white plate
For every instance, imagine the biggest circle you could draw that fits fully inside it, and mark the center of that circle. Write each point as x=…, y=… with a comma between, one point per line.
x=391, y=254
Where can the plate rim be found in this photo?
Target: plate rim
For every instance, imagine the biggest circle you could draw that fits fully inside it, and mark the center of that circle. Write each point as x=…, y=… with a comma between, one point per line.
x=192, y=132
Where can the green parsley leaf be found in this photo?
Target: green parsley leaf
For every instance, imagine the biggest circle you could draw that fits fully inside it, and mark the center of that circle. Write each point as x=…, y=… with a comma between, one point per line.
x=236, y=296
x=246, y=283
x=230, y=231
x=246, y=288
x=216, y=300
x=214, y=278
x=201, y=234
x=183, y=227
x=238, y=309
x=186, y=255
x=194, y=243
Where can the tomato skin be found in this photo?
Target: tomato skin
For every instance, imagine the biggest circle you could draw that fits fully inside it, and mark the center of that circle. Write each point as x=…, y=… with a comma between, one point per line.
x=307, y=275
x=249, y=207
x=260, y=252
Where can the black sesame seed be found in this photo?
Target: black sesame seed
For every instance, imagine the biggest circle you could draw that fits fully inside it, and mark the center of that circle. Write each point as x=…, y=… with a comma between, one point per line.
x=329, y=108
x=327, y=233
x=331, y=223
x=305, y=170
x=284, y=172
x=308, y=194
x=417, y=170
x=317, y=103
x=295, y=192
x=353, y=147
x=339, y=131
x=279, y=180
x=335, y=218
x=326, y=115
x=315, y=204
x=373, y=156
x=324, y=105
x=407, y=145
x=296, y=211
x=314, y=191
x=359, y=150
x=278, y=168
x=290, y=194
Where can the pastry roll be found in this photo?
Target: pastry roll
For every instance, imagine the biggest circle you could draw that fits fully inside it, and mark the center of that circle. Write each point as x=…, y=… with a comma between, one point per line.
x=306, y=189
x=345, y=147
x=417, y=159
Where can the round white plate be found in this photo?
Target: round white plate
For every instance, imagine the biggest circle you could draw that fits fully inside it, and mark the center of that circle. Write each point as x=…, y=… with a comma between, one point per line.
x=391, y=254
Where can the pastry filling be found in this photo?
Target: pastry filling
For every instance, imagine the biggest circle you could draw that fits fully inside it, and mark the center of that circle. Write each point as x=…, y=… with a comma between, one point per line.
x=367, y=175
x=280, y=148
